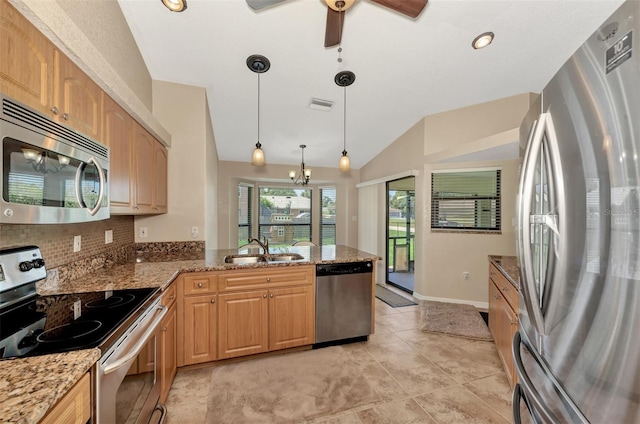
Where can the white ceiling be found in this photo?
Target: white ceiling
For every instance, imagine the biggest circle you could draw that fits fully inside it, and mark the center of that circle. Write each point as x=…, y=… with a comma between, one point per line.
x=405, y=68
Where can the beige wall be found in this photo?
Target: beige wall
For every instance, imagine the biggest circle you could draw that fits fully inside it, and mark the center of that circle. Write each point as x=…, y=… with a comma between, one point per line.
x=230, y=174
x=441, y=258
x=182, y=109
x=211, y=186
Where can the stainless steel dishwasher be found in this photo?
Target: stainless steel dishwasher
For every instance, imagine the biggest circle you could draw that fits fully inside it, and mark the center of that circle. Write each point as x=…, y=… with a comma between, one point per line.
x=343, y=301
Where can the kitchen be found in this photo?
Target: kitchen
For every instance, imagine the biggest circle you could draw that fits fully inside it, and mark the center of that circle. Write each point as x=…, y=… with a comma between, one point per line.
x=208, y=204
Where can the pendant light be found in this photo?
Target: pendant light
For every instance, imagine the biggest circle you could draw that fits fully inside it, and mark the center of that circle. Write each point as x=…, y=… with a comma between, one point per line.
x=258, y=64
x=304, y=175
x=344, y=79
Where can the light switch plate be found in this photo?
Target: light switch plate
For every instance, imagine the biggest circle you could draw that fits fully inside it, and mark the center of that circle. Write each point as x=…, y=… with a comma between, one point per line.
x=108, y=236
x=77, y=243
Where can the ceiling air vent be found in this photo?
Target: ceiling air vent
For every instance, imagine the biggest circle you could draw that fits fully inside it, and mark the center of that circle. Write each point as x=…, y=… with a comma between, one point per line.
x=320, y=104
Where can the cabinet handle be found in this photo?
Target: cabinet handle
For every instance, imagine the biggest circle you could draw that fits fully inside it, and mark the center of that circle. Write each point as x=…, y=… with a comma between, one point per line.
x=54, y=110
x=164, y=329
x=495, y=296
x=271, y=295
x=65, y=116
x=264, y=295
x=213, y=301
x=268, y=280
x=171, y=297
x=513, y=322
x=505, y=288
x=199, y=285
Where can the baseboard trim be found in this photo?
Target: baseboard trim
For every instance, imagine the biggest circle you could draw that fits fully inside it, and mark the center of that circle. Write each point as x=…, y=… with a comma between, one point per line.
x=479, y=305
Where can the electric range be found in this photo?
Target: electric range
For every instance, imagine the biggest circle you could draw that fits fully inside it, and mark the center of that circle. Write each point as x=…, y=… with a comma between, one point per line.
x=31, y=324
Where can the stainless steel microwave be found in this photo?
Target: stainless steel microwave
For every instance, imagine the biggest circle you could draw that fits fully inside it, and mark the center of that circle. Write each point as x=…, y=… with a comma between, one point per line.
x=50, y=173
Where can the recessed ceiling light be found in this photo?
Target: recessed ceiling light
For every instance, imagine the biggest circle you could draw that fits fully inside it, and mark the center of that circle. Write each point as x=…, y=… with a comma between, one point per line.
x=175, y=5
x=482, y=40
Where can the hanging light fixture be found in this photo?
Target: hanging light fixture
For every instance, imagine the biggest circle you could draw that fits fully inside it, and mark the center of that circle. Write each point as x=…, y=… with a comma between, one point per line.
x=175, y=5
x=304, y=175
x=344, y=79
x=258, y=64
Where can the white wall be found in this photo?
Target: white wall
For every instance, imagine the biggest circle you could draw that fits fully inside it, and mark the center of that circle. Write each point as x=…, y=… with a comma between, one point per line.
x=182, y=109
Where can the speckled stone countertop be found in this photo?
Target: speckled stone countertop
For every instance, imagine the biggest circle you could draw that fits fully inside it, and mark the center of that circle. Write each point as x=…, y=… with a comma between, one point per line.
x=508, y=265
x=29, y=387
x=159, y=269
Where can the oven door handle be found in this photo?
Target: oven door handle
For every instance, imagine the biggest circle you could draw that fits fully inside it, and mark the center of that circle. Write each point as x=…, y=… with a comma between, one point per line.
x=138, y=347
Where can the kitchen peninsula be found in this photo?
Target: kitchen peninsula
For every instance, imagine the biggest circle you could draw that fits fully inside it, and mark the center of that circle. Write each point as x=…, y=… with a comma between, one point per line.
x=190, y=280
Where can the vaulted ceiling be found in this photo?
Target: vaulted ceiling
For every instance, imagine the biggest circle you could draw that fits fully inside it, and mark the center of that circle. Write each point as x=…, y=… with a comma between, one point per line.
x=405, y=68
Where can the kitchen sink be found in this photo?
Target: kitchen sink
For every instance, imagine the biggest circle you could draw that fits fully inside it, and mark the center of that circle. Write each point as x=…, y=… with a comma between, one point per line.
x=284, y=257
x=244, y=259
x=253, y=258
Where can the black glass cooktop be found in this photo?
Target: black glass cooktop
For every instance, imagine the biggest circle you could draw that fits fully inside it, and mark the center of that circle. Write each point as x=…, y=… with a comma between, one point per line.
x=52, y=324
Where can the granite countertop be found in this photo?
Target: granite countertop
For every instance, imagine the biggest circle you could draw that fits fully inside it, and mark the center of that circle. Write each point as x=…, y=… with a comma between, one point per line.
x=508, y=265
x=29, y=387
x=160, y=269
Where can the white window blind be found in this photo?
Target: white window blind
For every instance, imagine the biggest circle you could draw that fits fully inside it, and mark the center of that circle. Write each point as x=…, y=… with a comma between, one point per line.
x=466, y=200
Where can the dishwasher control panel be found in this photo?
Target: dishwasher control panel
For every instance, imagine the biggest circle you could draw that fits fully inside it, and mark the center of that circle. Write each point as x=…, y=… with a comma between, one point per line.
x=344, y=268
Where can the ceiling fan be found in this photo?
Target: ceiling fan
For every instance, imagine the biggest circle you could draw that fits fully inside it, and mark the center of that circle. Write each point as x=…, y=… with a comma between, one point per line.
x=337, y=8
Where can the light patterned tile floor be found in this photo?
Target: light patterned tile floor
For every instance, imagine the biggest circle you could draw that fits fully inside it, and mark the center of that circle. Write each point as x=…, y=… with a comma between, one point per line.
x=420, y=377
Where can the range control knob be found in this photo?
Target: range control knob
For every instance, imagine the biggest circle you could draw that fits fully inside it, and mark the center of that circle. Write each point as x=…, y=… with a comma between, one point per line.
x=25, y=266
x=38, y=263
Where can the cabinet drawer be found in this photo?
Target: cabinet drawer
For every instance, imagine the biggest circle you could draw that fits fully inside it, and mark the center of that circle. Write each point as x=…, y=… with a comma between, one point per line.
x=169, y=295
x=509, y=292
x=200, y=284
x=273, y=277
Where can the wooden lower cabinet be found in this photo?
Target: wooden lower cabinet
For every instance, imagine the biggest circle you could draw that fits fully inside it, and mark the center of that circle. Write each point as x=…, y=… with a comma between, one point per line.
x=243, y=327
x=199, y=329
x=292, y=317
x=503, y=319
x=74, y=407
x=168, y=351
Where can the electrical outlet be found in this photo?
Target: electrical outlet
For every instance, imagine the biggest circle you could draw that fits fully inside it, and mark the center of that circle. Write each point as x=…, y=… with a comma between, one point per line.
x=77, y=309
x=194, y=232
x=77, y=243
x=143, y=232
x=108, y=236
x=465, y=275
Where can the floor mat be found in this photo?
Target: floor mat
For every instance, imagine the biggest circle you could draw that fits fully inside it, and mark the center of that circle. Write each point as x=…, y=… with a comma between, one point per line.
x=454, y=319
x=392, y=299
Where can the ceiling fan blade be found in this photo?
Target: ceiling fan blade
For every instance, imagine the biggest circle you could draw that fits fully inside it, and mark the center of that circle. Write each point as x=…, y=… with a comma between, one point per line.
x=261, y=4
x=411, y=8
x=333, y=31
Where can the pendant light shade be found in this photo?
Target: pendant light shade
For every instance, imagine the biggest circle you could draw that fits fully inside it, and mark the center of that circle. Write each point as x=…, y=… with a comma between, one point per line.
x=258, y=64
x=344, y=79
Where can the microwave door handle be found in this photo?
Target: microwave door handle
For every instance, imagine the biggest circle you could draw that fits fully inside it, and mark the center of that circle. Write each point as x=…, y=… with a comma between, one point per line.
x=138, y=347
x=79, y=185
x=98, y=205
x=527, y=185
x=533, y=398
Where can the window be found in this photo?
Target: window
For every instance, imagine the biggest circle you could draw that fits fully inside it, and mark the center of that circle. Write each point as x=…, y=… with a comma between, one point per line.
x=285, y=215
x=245, y=199
x=327, y=216
x=466, y=200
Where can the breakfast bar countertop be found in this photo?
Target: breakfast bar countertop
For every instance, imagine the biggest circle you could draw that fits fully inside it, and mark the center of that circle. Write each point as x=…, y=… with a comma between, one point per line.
x=30, y=386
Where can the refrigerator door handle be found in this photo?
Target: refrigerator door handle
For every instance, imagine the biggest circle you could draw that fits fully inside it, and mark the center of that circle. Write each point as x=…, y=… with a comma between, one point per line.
x=517, y=398
x=531, y=395
x=527, y=185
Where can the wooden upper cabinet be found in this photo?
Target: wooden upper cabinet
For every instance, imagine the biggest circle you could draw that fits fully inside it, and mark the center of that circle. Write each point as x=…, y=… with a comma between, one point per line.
x=161, y=178
x=27, y=61
x=117, y=129
x=77, y=98
x=143, y=159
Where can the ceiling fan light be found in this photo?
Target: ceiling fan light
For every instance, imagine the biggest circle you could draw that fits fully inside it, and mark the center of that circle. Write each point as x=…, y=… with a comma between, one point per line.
x=258, y=156
x=175, y=5
x=345, y=164
x=482, y=40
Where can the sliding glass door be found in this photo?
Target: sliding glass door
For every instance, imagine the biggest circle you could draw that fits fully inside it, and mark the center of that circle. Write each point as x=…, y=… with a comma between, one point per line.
x=401, y=233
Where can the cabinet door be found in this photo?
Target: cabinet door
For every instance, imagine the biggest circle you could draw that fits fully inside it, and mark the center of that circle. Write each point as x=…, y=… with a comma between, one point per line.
x=117, y=128
x=74, y=407
x=168, y=354
x=243, y=328
x=143, y=163
x=508, y=326
x=77, y=98
x=494, y=315
x=26, y=61
x=200, y=319
x=291, y=317
x=160, y=181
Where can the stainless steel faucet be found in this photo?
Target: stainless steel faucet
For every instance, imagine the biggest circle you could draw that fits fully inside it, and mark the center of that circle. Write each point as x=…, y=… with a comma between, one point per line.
x=265, y=245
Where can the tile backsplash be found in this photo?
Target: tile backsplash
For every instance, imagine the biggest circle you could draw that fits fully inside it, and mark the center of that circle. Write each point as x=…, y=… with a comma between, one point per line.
x=56, y=240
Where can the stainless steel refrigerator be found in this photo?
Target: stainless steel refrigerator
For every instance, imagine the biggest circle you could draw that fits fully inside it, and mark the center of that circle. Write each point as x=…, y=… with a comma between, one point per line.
x=577, y=351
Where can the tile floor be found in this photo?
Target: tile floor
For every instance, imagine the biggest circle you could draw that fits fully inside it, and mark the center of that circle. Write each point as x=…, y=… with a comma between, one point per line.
x=420, y=377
